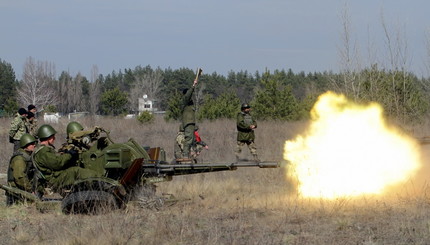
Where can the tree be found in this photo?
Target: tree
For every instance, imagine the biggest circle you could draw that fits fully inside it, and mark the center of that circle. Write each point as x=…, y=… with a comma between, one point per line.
x=146, y=117
x=350, y=67
x=174, y=107
x=95, y=88
x=8, y=85
x=147, y=81
x=37, y=85
x=275, y=102
x=114, y=102
x=174, y=81
x=224, y=106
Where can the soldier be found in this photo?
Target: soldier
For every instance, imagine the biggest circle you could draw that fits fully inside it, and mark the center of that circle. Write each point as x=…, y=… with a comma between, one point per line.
x=21, y=171
x=245, y=131
x=18, y=128
x=31, y=124
x=188, y=119
x=79, y=139
x=179, y=143
x=198, y=144
x=32, y=108
x=58, y=170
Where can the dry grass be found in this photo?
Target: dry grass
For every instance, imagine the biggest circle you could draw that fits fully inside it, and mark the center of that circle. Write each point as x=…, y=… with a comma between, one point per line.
x=247, y=206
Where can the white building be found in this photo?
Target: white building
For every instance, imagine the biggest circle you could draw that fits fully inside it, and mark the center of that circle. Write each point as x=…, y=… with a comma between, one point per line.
x=145, y=104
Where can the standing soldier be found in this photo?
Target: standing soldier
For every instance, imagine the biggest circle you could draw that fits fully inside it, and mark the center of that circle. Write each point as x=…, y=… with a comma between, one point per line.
x=31, y=124
x=18, y=128
x=32, y=108
x=178, y=147
x=188, y=119
x=245, y=131
x=21, y=171
x=58, y=170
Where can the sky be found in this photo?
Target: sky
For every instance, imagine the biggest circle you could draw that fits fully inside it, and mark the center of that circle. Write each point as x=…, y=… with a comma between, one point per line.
x=217, y=35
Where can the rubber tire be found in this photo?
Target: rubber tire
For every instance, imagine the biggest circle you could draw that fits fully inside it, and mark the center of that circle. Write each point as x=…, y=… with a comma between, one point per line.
x=89, y=202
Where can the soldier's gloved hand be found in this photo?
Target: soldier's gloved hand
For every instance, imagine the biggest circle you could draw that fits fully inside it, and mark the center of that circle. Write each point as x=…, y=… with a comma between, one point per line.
x=74, y=154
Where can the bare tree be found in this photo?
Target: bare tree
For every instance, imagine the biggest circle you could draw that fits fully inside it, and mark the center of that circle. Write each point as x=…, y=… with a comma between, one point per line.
x=95, y=89
x=37, y=84
x=349, y=58
x=427, y=57
x=148, y=84
x=397, y=48
x=75, y=94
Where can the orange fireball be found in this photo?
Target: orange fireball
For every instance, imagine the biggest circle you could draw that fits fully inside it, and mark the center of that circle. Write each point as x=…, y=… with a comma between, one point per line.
x=349, y=150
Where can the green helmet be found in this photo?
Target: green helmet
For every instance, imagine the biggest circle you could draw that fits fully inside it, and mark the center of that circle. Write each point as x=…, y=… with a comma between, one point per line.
x=245, y=106
x=74, y=127
x=45, y=131
x=26, y=139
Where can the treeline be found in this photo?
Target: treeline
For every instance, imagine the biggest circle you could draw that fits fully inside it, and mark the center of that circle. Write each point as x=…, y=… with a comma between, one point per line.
x=278, y=94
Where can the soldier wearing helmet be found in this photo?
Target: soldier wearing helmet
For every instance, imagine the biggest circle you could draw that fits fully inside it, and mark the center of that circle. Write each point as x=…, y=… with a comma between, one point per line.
x=73, y=127
x=58, y=170
x=79, y=139
x=21, y=171
x=246, y=125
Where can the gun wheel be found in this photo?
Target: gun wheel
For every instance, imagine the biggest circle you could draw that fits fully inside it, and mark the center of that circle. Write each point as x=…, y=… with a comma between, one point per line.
x=89, y=202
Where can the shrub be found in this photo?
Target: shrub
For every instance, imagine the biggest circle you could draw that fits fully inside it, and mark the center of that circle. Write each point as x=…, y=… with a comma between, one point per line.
x=145, y=117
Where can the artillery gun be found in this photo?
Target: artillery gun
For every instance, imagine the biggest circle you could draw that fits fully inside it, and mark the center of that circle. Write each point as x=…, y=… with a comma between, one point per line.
x=127, y=168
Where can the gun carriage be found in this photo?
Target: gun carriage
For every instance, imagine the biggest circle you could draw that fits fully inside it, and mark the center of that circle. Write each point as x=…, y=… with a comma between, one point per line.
x=126, y=168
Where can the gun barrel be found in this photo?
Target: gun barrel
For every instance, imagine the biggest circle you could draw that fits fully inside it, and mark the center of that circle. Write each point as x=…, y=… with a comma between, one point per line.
x=19, y=193
x=257, y=164
x=182, y=169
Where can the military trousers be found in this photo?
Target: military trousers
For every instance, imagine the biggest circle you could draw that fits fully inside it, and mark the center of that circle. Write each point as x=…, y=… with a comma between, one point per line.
x=68, y=176
x=189, y=139
x=251, y=145
x=179, y=145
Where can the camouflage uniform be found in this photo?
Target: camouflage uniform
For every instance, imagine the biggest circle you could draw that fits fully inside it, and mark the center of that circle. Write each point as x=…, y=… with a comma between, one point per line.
x=245, y=135
x=56, y=168
x=19, y=174
x=179, y=144
x=31, y=126
x=188, y=121
x=18, y=127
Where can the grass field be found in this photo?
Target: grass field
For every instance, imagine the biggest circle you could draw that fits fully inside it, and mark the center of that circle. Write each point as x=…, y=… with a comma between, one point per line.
x=247, y=206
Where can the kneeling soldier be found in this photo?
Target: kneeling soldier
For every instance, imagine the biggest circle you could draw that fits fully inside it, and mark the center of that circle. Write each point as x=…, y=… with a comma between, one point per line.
x=21, y=171
x=58, y=170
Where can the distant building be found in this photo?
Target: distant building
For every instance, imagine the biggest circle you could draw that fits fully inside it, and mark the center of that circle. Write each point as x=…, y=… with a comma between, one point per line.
x=146, y=104
x=77, y=115
x=51, y=117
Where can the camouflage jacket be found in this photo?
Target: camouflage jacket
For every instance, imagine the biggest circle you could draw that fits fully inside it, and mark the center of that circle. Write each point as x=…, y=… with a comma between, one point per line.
x=31, y=127
x=49, y=162
x=21, y=171
x=244, y=132
x=18, y=127
x=188, y=111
